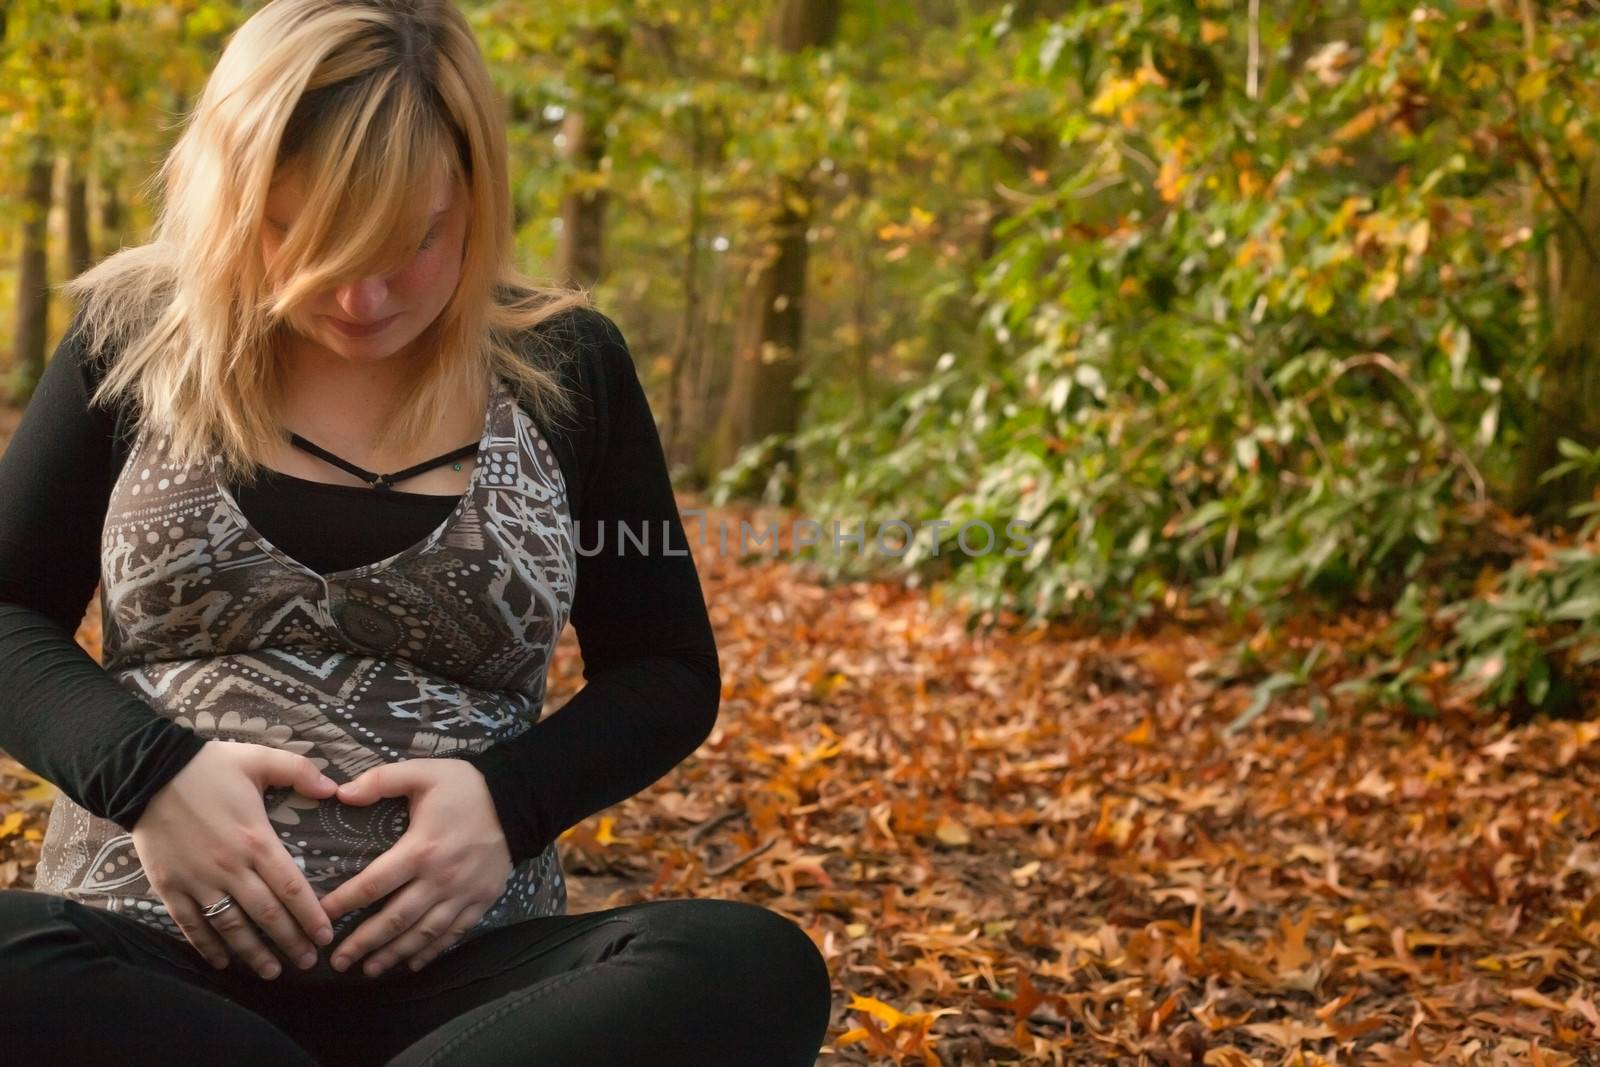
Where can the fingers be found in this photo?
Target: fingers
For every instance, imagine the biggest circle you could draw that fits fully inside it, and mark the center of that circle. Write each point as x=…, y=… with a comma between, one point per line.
x=303, y=911
x=260, y=907
x=381, y=781
x=210, y=838
x=382, y=876
x=253, y=903
x=436, y=924
x=395, y=919
x=464, y=921
x=197, y=928
x=282, y=768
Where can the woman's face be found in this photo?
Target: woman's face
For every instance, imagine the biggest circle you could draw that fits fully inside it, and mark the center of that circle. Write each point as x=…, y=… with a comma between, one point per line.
x=399, y=306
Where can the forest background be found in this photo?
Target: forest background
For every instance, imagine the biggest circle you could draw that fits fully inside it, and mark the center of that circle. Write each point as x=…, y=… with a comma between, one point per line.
x=1275, y=322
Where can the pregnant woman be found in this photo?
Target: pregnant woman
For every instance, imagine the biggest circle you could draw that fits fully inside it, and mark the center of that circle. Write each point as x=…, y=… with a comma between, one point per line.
x=343, y=474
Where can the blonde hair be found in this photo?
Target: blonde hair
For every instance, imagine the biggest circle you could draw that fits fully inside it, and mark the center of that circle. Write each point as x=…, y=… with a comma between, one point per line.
x=364, y=98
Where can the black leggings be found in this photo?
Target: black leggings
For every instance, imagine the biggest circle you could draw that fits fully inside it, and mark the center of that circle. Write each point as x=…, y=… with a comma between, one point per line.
x=679, y=981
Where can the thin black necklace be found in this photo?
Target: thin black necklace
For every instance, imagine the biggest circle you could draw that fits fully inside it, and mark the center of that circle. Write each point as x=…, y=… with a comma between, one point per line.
x=384, y=482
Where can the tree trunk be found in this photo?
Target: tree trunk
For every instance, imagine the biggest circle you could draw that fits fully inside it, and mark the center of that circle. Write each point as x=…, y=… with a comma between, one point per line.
x=685, y=416
x=33, y=277
x=863, y=340
x=110, y=198
x=581, y=257
x=80, y=255
x=1569, y=393
x=762, y=397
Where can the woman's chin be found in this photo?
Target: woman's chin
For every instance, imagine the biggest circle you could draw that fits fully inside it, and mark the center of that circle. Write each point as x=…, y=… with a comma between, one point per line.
x=364, y=349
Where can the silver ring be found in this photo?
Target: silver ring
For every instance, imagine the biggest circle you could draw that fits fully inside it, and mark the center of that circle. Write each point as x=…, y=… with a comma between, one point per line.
x=219, y=907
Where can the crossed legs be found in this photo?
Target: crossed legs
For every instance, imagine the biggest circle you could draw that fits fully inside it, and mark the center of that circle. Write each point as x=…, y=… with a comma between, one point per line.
x=707, y=982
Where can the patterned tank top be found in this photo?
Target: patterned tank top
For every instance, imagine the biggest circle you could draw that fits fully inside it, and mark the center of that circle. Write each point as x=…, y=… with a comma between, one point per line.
x=441, y=648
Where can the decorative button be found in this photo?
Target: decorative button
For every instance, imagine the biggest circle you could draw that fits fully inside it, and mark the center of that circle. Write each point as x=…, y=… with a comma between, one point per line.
x=367, y=626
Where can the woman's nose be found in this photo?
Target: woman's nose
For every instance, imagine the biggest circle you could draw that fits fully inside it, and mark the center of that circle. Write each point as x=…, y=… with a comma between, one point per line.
x=363, y=300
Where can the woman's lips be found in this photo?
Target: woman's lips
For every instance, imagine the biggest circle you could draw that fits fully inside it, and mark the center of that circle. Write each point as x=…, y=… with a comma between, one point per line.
x=360, y=331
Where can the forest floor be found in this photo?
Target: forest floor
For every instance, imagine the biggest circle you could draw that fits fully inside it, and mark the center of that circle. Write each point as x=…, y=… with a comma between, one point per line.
x=1045, y=846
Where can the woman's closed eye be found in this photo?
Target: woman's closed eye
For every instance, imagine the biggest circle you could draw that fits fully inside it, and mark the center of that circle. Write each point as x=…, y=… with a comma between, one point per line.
x=427, y=241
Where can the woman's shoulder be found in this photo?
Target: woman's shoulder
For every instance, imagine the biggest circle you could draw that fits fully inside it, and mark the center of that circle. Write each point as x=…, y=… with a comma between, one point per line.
x=587, y=351
x=90, y=354
x=585, y=340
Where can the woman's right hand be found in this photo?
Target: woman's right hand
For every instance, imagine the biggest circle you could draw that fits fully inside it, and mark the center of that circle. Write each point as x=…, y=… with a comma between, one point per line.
x=206, y=833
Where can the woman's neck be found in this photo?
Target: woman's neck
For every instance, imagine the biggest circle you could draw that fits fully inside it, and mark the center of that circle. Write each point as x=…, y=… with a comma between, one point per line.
x=343, y=404
x=309, y=370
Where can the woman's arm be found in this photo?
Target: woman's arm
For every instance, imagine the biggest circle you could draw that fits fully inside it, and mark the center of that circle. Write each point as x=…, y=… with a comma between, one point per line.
x=653, y=680
x=61, y=715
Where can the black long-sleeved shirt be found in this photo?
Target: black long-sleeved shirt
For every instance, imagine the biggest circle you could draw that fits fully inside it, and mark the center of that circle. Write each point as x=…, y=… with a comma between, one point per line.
x=653, y=679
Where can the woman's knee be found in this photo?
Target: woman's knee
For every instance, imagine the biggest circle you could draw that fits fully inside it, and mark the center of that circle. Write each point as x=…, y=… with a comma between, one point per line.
x=681, y=962
x=743, y=945
x=68, y=999
x=30, y=930
x=43, y=964
x=23, y=906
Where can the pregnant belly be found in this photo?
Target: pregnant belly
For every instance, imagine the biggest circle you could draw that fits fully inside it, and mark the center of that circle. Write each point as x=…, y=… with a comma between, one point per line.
x=364, y=712
x=333, y=842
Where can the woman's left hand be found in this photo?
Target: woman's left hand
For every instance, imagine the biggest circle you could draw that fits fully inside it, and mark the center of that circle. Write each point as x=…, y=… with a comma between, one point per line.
x=451, y=863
